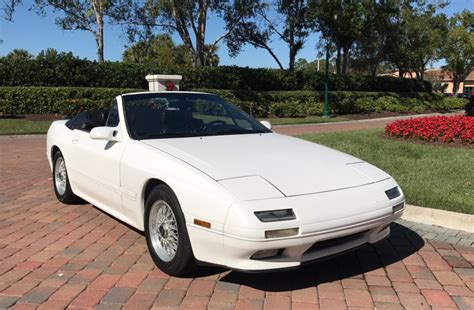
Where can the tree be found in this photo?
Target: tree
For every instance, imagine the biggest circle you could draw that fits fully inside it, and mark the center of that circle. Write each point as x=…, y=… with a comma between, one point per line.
x=458, y=48
x=317, y=65
x=425, y=33
x=86, y=15
x=8, y=7
x=340, y=23
x=247, y=27
x=258, y=22
x=417, y=36
x=162, y=51
x=186, y=17
x=19, y=54
x=158, y=50
x=376, y=28
x=399, y=52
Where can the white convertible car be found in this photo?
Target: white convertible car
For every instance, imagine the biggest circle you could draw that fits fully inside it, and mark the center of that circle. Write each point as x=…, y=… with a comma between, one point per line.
x=209, y=184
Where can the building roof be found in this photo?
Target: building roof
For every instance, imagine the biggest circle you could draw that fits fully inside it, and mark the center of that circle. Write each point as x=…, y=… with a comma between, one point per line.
x=436, y=72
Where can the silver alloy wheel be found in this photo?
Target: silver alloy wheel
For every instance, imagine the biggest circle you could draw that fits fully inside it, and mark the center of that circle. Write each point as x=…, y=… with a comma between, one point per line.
x=163, y=230
x=60, y=176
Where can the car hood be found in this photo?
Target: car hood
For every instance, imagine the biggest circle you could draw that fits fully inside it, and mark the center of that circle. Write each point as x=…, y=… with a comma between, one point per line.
x=293, y=166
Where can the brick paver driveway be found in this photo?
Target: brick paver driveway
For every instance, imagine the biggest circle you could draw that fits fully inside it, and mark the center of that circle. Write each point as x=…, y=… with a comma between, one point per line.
x=56, y=256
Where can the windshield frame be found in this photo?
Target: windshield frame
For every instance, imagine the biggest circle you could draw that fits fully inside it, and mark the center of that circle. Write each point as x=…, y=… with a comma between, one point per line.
x=262, y=128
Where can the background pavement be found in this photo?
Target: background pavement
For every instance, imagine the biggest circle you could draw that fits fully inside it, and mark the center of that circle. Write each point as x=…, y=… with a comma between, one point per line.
x=300, y=129
x=56, y=256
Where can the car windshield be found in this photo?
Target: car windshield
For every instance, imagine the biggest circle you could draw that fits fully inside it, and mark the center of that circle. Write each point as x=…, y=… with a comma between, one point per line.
x=175, y=115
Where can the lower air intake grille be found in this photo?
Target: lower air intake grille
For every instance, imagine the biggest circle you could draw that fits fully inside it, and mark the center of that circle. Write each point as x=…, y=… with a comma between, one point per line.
x=336, y=241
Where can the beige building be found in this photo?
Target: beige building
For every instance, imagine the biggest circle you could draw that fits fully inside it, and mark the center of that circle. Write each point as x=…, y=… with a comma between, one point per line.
x=445, y=78
x=468, y=88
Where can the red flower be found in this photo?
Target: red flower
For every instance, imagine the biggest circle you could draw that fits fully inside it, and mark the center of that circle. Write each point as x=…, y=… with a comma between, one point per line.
x=169, y=86
x=447, y=129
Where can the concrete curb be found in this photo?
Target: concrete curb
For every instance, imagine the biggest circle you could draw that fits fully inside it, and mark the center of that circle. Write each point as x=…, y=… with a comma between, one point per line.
x=447, y=219
x=370, y=120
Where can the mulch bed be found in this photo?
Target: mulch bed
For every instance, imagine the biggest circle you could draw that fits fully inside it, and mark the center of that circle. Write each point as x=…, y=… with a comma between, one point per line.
x=430, y=143
x=357, y=117
x=34, y=117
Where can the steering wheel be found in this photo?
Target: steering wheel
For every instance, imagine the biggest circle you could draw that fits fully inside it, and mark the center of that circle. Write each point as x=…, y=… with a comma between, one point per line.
x=214, y=123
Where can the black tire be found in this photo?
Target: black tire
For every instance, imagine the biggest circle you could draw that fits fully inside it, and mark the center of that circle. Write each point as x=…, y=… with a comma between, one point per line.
x=66, y=197
x=183, y=261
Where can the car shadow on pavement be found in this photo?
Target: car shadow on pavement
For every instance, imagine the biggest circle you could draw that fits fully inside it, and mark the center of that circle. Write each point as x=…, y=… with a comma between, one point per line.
x=402, y=243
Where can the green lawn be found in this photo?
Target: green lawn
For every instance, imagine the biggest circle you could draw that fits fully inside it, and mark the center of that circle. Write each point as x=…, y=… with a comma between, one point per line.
x=431, y=176
x=304, y=120
x=18, y=126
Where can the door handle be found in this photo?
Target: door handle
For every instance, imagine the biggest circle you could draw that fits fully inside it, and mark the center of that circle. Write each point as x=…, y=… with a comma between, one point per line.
x=75, y=139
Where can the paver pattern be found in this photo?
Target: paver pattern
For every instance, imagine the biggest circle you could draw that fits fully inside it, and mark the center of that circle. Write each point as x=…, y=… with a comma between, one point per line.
x=429, y=232
x=295, y=130
x=301, y=129
x=54, y=256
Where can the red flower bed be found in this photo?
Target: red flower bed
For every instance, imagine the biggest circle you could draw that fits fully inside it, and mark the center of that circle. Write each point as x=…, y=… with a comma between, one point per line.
x=447, y=129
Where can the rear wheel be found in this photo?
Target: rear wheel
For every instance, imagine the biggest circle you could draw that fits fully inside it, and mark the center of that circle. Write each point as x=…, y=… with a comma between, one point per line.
x=61, y=185
x=166, y=233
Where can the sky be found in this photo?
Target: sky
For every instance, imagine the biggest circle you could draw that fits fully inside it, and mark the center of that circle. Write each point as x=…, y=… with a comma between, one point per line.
x=35, y=33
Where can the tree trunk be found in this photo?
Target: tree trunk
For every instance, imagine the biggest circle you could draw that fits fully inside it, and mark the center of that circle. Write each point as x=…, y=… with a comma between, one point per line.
x=373, y=69
x=291, y=65
x=401, y=71
x=338, y=61
x=199, y=55
x=274, y=57
x=456, y=84
x=200, y=35
x=183, y=32
x=100, y=46
x=345, y=60
x=99, y=35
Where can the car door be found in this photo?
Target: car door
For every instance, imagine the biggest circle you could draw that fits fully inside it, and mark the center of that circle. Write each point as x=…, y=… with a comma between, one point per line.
x=96, y=165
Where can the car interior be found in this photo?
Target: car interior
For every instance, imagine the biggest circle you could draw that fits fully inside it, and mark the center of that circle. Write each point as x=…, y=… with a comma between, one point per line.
x=147, y=118
x=88, y=120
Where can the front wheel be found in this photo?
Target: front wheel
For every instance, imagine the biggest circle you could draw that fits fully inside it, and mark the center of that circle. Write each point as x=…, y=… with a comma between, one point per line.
x=166, y=234
x=61, y=185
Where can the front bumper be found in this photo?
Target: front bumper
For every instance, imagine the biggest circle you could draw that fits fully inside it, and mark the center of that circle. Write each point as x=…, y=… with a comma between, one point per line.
x=338, y=229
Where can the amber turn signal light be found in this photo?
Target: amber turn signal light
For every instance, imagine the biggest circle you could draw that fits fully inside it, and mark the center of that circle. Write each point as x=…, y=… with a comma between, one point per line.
x=202, y=223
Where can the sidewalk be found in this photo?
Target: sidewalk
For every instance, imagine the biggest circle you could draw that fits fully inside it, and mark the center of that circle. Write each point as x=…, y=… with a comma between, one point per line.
x=300, y=129
x=55, y=256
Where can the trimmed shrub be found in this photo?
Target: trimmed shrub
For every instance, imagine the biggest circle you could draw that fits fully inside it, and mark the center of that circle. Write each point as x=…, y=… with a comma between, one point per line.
x=340, y=102
x=71, y=100
x=55, y=69
x=63, y=100
x=366, y=105
x=287, y=109
x=315, y=81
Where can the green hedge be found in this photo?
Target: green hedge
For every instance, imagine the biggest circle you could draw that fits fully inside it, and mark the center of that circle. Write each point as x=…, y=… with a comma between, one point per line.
x=307, y=103
x=70, y=100
x=64, y=69
x=63, y=100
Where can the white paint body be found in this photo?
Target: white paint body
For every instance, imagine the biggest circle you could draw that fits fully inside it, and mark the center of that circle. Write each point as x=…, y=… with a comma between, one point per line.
x=224, y=180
